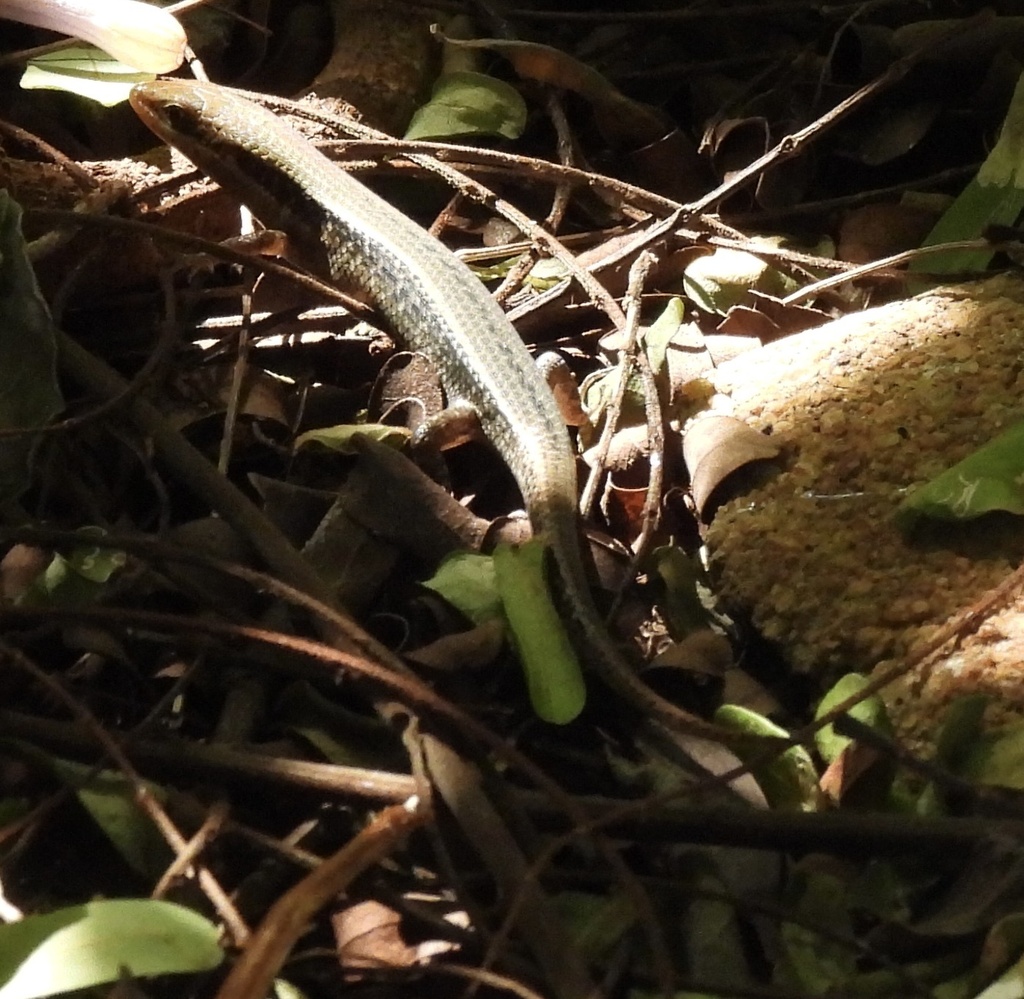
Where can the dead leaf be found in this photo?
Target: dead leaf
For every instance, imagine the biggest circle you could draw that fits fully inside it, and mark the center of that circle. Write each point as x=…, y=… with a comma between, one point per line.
x=704, y=651
x=368, y=935
x=846, y=770
x=480, y=646
x=716, y=446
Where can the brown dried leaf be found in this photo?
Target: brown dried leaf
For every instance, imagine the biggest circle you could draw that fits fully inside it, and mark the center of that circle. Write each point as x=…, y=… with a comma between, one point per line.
x=479, y=646
x=846, y=770
x=875, y=231
x=367, y=935
x=716, y=446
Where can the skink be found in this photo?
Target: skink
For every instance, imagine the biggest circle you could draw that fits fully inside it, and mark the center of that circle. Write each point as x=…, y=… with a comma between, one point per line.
x=434, y=304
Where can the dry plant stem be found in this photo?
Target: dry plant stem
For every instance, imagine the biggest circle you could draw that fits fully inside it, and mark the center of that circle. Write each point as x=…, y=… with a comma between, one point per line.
x=480, y=977
x=149, y=806
x=826, y=206
x=794, y=143
x=239, y=371
x=649, y=235
x=964, y=624
x=566, y=155
x=376, y=664
x=848, y=834
x=390, y=152
x=195, y=244
x=288, y=918
x=482, y=195
x=82, y=177
x=980, y=798
x=513, y=280
x=702, y=227
x=283, y=849
x=655, y=425
x=637, y=276
x=710, y=12
x=561, y=961
x=328, y=661
x=213, y=823
x=218, y=763
x=904, y=257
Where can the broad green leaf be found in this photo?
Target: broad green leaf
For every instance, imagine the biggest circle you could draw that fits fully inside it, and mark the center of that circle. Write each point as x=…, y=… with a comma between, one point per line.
x=545, y=273
x=996, y=758
x=77, y=578
x=871, y=712
x=680, y=602
x=465, y=103
x=94, y=944
x=990, y=479
x=29, y=395
x=789, y=780
x=467, y=581
x=994, y=196
x=722, y=279
x=109, y=797
x=85, y=71
x=553, y=674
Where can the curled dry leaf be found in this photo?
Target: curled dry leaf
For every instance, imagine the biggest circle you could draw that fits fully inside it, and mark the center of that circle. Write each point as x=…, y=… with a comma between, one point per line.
x=769, y=318
x=368, y=935
x=716, y=446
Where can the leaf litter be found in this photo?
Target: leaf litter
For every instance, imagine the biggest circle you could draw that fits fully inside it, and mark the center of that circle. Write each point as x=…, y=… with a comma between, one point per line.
x=879, y=862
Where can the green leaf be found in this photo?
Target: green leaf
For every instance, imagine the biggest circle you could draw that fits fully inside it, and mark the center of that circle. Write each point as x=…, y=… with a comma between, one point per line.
x=658, y=335
x=722, y=279
x=29, y=395
x=110, y=799
x=789, y=780
x=962, y=725
x=77, y=578
x=994, y=196
x=94, y=944
x=86, y=71
x=809, y=962
x=468, y=582
x=465, y=103
x=553, y=674
x=990, y=479
x=997, y=758
x=597, y=922
x=871, y=712
x=680, y=602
